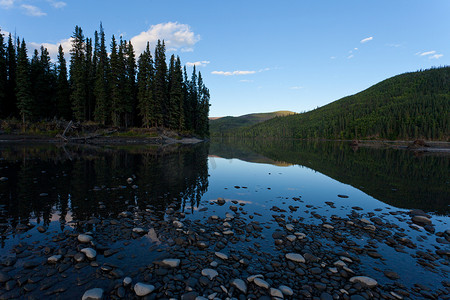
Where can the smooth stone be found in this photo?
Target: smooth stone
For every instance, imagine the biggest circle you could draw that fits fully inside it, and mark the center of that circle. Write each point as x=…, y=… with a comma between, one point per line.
x=340, y=263
x=290, y=227
x=286, y=290
x=276, y=293
x=41, y=229
x=89, y=252
x=138, y=230
x=221, y=255
x=261, y=283
x=220, y=201
x=252, y=277
x=127, y=281
x=93, y=294
x=328, y=226
x=142, y=289
x=178, y=224
x=240, y=285
x=291, y=238
x=171, y=262
x=367, y=281
x=210, y=273
x=228, y=232
x=84, y=238
x=421, y=220
x=295, y=257
x=54, y=259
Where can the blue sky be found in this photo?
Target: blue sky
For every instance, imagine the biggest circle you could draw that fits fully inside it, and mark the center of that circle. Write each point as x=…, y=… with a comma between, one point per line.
x=259, y=56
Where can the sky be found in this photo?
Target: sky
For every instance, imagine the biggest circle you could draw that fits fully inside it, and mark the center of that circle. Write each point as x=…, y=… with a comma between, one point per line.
x=258, y=56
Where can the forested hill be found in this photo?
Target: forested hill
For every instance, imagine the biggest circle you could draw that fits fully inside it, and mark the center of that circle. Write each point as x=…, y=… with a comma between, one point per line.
x=223, y=125
x=408, y=106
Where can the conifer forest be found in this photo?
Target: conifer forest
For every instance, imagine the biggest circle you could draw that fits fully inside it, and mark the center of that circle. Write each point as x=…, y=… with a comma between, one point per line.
x=106, y=85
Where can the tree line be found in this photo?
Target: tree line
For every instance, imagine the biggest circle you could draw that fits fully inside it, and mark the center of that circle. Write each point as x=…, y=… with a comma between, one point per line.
x=409, y=106
x=112, y=89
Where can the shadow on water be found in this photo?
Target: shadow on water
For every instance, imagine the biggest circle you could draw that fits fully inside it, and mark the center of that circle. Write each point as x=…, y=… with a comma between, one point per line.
x=397, y=177
x=81, y=182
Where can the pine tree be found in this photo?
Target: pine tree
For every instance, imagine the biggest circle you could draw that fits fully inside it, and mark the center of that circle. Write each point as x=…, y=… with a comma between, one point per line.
x=77, y=75
x=193, y=100
x=101, y=89
x=203, y=108
x=89, y=69
x=145, y=87
x=130, y=85
x=3, y=77
x=160, y=86
x=186, y=101
x=176, y=94
x=11, y=65
x=23, y=90
x=63, y=106
x=117, y=82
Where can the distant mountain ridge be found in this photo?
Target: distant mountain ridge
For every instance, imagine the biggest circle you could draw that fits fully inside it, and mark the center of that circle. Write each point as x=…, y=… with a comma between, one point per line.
x=223, y=125
x=410, y=106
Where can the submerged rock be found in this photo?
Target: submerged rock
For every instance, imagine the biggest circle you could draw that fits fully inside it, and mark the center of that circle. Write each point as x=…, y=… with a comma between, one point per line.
x=367, y=281
x=93, y=294
x=295, y=257
x=143, y=289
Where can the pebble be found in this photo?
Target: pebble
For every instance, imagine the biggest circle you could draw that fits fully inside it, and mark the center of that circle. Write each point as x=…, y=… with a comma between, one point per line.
x=54, y=259
x=367, y=281
x=276, y=293
x=89, y=252
x=210, y=273
x=171, y=262
x=295, y=257
x=143, y=289
x=261, y=282
x=221, y=255
x=286, y=290
x=84, y=238
x=139, y=230
x=127, y=281
x=93, y=294
x=240, y=285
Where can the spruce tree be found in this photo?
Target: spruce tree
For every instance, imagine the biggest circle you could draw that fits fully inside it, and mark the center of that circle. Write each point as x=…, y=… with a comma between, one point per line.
x=145, y=87
x=77, y=75
x=63, y=106
x=11, y=66
x=186, y=101
x=23, y=86
x=3, y=77
x=176, y=94
x=101, y=87
x=193, y=99
x=160, y=86
x=117, y=82
x=130, y=85
x=89, y=70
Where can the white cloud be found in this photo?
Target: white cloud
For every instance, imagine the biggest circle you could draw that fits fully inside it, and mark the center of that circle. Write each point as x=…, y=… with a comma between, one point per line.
x=333, y=57
x=436, y=56
x=233, y=73
x=198, y=63
x=296, y=87
x=350, y=56
x=33, y=11
x=57, y=4
x=427, y=53
x=53, y=48
x=246, y=80
x=366, y=40
x=176, y=36
x=6, y=4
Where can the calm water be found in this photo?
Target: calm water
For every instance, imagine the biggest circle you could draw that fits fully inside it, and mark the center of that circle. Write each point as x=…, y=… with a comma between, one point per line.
x=55, y=186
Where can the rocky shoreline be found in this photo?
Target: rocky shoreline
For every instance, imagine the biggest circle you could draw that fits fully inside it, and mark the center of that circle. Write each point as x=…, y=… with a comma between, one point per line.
x=223, y=256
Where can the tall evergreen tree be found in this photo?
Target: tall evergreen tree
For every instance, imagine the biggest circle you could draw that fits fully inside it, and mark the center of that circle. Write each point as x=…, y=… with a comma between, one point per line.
x=101, y=89
x=193, y=99
x=23, y=86
x=63, y=106
x=186, y=101
x=89, y=69
x=145, y=87
x=203, y=108
x=11, y=65
x=160, y=86
x=77, y=75
x=3, y=76
x=117, y=82
x=130, y=85
x=176, y=94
